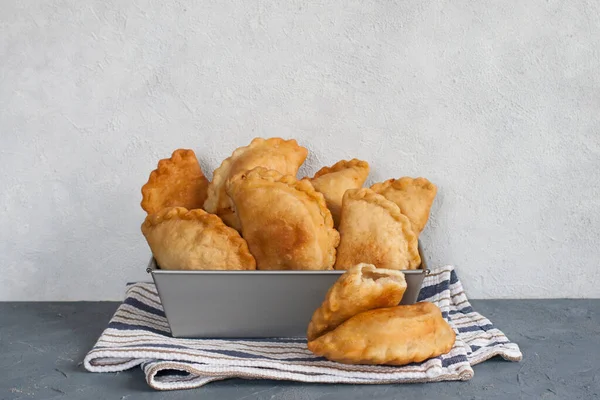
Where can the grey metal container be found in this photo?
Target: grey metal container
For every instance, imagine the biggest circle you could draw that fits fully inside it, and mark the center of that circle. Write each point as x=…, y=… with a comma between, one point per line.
x=250, y=304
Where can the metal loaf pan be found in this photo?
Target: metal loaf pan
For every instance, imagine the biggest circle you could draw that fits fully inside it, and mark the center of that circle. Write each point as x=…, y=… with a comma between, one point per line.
x=250, y=304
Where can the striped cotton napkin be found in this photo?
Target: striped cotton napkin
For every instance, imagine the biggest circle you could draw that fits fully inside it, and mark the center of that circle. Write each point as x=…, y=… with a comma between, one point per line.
x=138, y=334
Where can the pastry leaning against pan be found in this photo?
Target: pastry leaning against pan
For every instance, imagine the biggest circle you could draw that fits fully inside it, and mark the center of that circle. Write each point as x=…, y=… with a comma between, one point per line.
x=373, y=230
x=195, y=240
x=335, y=180
x=363, y=287
x=414, y=197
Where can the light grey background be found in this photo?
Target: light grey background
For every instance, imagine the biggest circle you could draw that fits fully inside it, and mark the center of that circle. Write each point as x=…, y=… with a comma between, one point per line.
x=498, y=103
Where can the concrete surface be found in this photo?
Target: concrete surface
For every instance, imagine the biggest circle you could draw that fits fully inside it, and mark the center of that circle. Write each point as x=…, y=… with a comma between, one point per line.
x=42, y=345
x=495, y=102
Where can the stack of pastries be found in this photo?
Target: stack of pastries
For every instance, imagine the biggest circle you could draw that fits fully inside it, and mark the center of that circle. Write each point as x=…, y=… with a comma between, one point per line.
x=360, y=321
x=256, y=214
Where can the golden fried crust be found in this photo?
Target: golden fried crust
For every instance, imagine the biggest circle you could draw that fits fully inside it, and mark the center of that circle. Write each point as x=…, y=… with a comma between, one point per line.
x=394, y=336
x=335, y=180
x=285, y=156
x=413, y=196
x=178, y=181
x=195, y=240
x=361, y=288
x=343, y=165
x=373, y=230
x=285, y=221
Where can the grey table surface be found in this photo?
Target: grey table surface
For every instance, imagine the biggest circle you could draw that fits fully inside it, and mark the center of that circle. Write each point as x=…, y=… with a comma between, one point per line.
x=42, y=346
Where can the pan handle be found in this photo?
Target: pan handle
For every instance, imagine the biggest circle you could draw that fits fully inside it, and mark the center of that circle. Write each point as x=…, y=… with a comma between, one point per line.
x=151, y=265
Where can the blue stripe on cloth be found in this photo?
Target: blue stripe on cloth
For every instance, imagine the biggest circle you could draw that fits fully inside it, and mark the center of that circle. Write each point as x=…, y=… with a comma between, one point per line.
x=144, y=307
x=453, y=360
x=271, y=340
x=241, y=354
x=430, y=291
x=307, y=359
x=164, y=345
x=132, y=327
x=474, y=328
x=234, y=353
x=464, y=310
x=492, y=344
x=453, y=277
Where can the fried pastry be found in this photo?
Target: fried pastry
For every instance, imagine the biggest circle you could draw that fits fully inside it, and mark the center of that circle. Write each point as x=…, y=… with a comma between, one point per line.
x=285, y=156
x=195, y=240
x=335, y=180
x=361, y=288
x=178, y=181
x=374, y=231
x=413, y=196
x=285, y=221
x=394, y=336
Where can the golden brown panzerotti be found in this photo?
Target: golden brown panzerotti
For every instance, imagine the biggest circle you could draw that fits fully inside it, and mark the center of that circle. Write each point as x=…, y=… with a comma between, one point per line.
x=373, y=230
x=414, y=197
x=360, y=322
x=285, y=221
x=285, y=156
x=319, y=223
x=393, y=336
x=289, y=224
x=362, y=288
x=335, y=180
x=195, y=240
x=176, y=182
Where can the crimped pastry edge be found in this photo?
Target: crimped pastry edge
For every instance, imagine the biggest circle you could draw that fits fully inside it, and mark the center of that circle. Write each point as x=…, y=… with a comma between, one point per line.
x=164, y=168
x=352, y=276
x=370, y=196
x=204, y=218
x=341, y=165
x=301, y=185
x=211, y=204
x=403, y=183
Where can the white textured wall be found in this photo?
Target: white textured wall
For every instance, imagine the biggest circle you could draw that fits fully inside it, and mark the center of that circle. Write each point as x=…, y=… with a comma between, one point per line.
x=498, y=103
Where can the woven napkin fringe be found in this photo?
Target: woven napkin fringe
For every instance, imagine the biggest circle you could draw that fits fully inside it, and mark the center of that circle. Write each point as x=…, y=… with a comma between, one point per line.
x=139, y=334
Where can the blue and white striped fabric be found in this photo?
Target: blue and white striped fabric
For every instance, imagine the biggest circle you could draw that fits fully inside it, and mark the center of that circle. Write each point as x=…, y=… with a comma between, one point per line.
x=138, y=334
